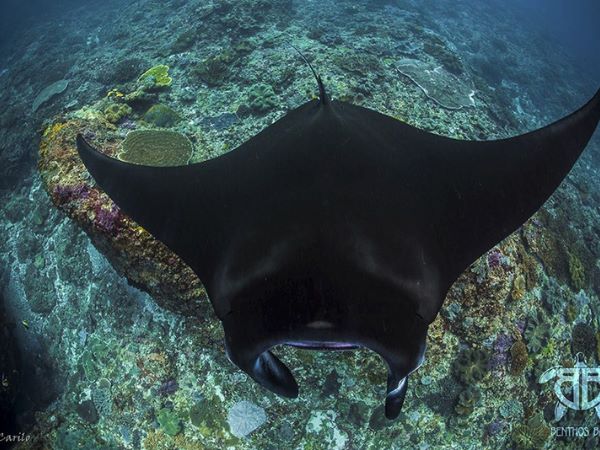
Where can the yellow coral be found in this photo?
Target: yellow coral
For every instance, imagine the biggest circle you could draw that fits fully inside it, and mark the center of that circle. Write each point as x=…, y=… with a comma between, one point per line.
x=519, y=287
x=159, y=74
x=577, y=271
x=52, y=130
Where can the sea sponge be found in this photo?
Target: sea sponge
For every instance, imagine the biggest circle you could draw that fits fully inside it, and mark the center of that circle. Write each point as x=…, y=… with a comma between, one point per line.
x=161, y=116
x=518, y=357
x=157, y=77
x=156, y=148
x=471, y=365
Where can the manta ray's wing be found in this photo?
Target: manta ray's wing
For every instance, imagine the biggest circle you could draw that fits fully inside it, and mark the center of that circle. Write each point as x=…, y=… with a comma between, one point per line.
x=487, y=190
x=336, y=210
x=196, y=210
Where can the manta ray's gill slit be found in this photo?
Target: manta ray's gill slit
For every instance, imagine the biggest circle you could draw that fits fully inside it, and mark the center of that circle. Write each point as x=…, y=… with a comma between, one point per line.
x=310, y=345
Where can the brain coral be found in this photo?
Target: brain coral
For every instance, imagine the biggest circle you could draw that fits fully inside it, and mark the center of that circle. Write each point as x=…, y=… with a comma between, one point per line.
x=156, y=148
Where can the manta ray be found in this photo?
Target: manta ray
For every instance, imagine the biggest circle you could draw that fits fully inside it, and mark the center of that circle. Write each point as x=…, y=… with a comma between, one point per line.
x=338, y=227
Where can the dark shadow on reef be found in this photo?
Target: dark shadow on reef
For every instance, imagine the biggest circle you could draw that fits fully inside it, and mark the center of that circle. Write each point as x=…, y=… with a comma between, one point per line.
x=27, y=381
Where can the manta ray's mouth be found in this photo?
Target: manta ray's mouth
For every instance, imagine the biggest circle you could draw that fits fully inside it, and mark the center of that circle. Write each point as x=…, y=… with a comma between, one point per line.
x=315, y=345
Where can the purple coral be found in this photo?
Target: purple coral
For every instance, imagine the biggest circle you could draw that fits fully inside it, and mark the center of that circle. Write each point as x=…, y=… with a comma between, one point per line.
x=500, y=350
x=168, y=387
x=68, y=193
x=108, y=219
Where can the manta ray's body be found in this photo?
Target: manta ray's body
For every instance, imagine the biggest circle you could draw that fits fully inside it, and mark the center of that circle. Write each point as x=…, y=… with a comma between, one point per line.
x=339, y=227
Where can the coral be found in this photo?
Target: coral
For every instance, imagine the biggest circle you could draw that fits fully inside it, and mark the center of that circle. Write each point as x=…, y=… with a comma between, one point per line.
x=518, y=357
x=435, y=47
x=87, y=411
x=583, y=339
x=161, y=116
x=184, y=41
x=576, y=271
x=531, y=435
x=107, y=218
x=156, y=77
x=511, y=409
x=125, y=70
x=102, y=397
x=169, y=421
x=116, y=111
x=554, y=296
x=47, y=93
x=519, y=287
x=260, y=99
x=214, y=70
x=502, y=344
x=156, y=148
x=244, y=417
x=536, y=332
x=468, y=399
x=471, y=365
x=133, y=252
x=168, y=387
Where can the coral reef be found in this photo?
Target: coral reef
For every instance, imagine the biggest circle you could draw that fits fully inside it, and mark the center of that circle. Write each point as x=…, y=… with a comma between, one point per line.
x=132, y=251
x=441, y=86
x=69, y=276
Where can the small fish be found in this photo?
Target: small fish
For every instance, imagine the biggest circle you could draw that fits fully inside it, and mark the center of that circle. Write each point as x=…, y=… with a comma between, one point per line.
x=25, y=324
x=4, y=381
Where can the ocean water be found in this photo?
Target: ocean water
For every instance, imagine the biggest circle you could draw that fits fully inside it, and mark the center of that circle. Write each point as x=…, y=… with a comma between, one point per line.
x=109, y=341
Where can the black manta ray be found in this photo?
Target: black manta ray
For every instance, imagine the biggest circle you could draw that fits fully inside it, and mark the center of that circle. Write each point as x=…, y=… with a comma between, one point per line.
x=338, y=227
